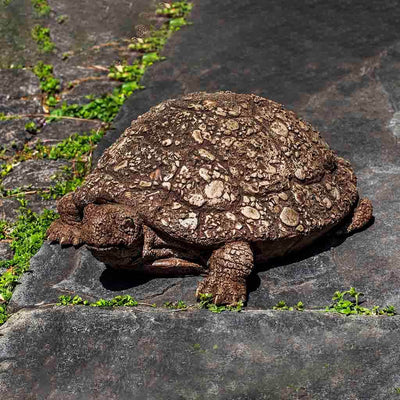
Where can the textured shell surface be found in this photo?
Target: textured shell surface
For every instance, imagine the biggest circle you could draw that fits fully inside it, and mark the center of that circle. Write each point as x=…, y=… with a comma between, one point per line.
x=215, y=167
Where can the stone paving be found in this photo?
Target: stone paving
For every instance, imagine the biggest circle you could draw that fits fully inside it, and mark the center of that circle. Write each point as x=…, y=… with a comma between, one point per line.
x=86, y=45
x=337, y=64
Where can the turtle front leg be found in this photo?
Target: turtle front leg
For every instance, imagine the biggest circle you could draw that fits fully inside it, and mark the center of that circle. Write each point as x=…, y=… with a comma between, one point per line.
x=67, y=229
x=229, y=267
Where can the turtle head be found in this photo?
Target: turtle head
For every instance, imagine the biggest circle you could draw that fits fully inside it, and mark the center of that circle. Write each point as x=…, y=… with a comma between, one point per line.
x=111, y=226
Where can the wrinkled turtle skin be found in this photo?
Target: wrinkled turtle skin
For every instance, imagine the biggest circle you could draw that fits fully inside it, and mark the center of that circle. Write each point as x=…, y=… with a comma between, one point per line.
x=211, y=181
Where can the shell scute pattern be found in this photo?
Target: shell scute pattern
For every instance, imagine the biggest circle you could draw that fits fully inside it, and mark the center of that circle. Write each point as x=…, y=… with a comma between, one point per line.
x=210, y=168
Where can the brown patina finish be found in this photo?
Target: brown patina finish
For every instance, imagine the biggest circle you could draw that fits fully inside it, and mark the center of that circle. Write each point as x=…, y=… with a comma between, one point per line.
x=217, y=180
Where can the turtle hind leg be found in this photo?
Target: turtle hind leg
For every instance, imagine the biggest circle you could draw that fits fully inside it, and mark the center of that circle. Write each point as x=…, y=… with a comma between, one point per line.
x=361, y=216
x=229, y=267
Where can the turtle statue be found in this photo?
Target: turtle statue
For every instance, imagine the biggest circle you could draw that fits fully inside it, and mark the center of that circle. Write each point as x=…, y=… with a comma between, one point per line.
x=211, y=183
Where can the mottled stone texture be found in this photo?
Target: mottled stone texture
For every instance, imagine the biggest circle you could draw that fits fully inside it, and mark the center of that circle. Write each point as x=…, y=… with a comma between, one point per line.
x=85, y=353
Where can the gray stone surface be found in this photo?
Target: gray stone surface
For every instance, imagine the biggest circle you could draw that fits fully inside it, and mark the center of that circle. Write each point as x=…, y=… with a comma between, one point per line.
x=22, y=107
x=13, y=134
x=86, y=353
x=56, y=271
x=17, y=83
x=59, y=130
x=97, y=88
x=36, y=174
x=85, y=28
x=5, y=250
x=9, y=206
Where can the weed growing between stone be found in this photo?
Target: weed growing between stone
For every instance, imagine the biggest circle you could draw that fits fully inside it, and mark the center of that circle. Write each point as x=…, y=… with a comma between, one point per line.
x=117, y=301
x=282, y=306
x=26, y=235
x=128, y=301
x=41, y=7
x=346, y=302
x=41, y=36
x=207, y=304
x=4, y=117
x=31, y=127
x=29, y=231
x=177, y=305
x=48, y=83
x=77, y=148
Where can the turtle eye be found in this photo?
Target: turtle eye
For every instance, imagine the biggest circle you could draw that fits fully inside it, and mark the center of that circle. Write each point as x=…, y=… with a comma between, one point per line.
x=128, y=226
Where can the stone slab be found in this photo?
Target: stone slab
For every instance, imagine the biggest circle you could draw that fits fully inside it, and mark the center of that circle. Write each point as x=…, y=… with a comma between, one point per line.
x=96, y=88
x=82, y=353
x=36, y=174
x=9, y=206
x=56, y=271
x=5, y=251
x=13, y=134
x=17, y=83
x=56, y=131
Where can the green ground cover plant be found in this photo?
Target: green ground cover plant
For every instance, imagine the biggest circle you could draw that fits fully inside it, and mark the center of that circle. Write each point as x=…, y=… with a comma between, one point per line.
x=282, y=306
x=41, y=7
x=4, y=117
x=205, y=302
x=117, y=301
x=76, y=148
x=177, y=305
x=31, y=127
x=48, y=83
x=346, y=302
x=41, y=36
x=128, y=301
x=26, y=235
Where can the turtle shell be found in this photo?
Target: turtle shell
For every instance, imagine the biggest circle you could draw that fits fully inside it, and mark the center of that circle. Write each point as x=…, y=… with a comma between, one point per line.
x=209, y=168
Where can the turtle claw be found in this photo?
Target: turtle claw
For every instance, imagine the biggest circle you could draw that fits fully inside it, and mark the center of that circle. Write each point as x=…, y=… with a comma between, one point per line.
x=64, y=233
